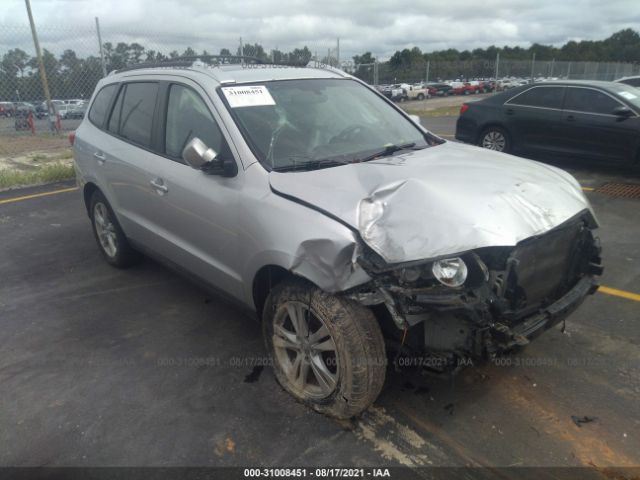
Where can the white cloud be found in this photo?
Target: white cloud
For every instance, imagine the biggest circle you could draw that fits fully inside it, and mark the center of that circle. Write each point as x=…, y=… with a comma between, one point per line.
x=376, y=25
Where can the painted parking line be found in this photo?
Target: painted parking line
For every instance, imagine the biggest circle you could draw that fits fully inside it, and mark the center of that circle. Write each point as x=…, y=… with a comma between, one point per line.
x=619, y=293
x=445, y=135
x=37, y=195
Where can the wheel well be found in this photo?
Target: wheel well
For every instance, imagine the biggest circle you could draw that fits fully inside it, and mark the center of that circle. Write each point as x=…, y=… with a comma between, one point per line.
x=267, y=278
x=87, y=192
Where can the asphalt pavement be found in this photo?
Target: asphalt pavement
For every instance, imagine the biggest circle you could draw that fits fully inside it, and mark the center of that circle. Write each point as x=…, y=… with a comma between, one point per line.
x=101, y=367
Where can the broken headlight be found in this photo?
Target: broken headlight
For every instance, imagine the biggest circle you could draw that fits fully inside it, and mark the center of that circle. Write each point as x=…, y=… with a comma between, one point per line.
x=451, y=272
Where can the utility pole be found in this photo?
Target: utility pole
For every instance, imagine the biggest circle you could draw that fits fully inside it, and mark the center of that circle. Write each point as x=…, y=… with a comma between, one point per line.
x=241, y=52
x=375, y=72
x=553, y=61
x=338, y=53
x=104, y=66
x=533, y=62
x=495, y=88
x=568, y=70
x=426, y=77
x=43, y=73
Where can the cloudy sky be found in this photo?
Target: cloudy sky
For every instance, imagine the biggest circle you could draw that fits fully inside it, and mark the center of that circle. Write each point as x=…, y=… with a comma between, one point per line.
x=379, y=26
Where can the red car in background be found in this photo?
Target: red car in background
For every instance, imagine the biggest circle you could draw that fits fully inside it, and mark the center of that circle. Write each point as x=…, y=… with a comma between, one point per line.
x=463, y=88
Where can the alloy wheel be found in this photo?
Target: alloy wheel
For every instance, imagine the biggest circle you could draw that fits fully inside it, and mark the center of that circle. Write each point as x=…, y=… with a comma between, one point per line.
x=305, y=350
x=494, y=140
x=105, y=229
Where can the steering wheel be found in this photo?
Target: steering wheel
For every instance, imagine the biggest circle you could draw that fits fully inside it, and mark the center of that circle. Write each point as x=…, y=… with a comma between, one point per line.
x=348, y=133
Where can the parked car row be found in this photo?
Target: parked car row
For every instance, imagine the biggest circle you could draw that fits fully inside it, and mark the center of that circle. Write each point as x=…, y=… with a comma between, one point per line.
x=72, y=108
x=401, y=92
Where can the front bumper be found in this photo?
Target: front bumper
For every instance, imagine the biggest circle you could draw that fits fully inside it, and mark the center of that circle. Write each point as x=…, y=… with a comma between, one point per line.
x=531, y=327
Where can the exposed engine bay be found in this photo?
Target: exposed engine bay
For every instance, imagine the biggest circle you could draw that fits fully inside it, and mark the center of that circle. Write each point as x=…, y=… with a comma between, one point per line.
x=508, y=296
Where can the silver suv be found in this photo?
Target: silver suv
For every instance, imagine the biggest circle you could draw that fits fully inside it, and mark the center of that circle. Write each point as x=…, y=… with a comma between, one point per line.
x=356, y=235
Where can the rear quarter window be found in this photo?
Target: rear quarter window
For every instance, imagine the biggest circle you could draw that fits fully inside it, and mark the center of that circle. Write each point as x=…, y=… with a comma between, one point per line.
x=98, y=111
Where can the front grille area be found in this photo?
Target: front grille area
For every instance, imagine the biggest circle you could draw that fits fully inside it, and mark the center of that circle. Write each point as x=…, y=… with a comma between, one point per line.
x=543, y=269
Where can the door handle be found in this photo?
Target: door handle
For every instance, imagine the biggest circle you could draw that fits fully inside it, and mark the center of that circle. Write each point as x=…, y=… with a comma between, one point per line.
x=571, y=118
x=100, y=157
x=510, y=111
x=159, y=185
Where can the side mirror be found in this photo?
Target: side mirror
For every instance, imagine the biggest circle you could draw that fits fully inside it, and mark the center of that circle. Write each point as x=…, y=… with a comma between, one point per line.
x=416, y=119
x=622, y=111
x=197, y=155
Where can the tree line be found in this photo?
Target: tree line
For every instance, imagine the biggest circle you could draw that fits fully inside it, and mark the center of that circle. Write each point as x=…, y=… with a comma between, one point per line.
x=73, y=77
x=70, y=76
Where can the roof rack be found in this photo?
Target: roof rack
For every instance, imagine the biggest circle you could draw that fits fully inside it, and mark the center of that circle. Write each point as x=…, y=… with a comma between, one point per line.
x=189, y=61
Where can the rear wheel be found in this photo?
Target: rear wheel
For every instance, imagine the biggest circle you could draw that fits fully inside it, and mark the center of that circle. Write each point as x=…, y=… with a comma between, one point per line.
x=420, y=96
x=110, y=238
x=495, y=138
x=327, y=351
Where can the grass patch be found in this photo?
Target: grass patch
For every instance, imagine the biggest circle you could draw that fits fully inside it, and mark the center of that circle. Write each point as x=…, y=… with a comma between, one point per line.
x=48, y=173
x=434, y=112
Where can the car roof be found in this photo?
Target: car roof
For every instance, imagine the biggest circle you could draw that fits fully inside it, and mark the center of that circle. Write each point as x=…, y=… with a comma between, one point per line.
x=577, y=83
x=230, y=74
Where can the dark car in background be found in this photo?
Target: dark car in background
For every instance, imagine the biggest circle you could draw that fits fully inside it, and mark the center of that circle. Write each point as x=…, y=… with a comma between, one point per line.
x=439, y=89
x=21, y=114
x=633, y=81
x=595, y=121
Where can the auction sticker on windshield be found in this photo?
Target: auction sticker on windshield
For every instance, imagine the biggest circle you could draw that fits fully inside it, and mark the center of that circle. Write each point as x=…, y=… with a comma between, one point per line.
x=248, y=96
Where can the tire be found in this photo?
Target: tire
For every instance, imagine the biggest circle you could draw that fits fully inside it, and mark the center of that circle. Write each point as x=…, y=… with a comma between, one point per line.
x=420, y=96
x=495, y=138
x=345, y=375
x=109, y=236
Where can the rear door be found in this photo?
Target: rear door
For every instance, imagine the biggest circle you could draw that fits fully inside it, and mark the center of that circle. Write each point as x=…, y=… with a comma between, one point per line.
x=128, y=162
x=533, y=118
x=592, y=131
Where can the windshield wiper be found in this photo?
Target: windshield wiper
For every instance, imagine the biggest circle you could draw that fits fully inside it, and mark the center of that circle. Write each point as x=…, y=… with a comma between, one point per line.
x=388, y=150
x=310, y=165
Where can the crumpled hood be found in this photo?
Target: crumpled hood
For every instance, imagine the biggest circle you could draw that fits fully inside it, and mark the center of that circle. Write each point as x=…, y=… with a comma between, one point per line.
x=440, y=200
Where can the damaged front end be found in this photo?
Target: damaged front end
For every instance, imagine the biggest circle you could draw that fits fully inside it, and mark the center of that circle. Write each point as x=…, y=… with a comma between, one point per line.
x=480, y=303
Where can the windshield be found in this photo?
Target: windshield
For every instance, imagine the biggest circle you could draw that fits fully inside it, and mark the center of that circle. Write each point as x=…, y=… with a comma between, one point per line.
x=629, y=93
x=294, y=123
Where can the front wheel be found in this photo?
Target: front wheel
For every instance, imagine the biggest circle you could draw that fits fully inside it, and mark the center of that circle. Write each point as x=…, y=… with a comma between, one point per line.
x=495, y=138
x=327, y=351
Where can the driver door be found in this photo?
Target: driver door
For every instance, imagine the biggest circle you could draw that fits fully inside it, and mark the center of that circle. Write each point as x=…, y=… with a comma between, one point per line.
x=199, y=211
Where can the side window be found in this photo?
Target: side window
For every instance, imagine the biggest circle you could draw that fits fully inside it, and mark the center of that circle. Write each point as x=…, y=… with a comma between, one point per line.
x=188, y=117
x=544, y=97
x=99, y=107
x=589, y=101
x=116, y=114
x=132, y=115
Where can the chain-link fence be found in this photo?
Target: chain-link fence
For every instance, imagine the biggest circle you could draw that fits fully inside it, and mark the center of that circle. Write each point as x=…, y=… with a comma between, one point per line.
x=484, y=69
x=74, y=63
